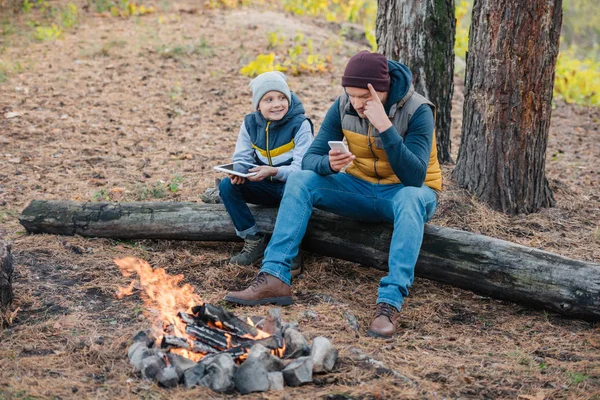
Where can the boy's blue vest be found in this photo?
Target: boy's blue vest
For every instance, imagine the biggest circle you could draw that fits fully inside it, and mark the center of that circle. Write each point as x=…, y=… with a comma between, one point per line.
x=273, y=141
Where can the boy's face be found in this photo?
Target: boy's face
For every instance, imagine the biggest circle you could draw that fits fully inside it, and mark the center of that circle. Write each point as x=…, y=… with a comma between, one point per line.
x=274, y=105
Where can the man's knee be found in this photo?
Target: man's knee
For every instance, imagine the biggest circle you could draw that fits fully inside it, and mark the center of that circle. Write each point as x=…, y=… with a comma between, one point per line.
x=300, y=181
x=410, y=196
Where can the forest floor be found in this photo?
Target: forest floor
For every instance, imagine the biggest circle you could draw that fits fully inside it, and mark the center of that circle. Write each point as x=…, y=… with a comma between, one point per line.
x=142, y=109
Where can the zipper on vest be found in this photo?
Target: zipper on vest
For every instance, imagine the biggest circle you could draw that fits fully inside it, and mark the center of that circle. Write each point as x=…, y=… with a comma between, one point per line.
x=268, y=150
x=375, y=159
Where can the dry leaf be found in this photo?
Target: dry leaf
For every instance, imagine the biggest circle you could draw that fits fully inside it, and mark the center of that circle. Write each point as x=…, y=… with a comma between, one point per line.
x=11, y=114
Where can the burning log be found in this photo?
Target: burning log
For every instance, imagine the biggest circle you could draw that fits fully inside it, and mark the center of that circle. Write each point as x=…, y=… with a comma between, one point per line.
x=208, y=312
x=6, y=270
x=488, y=266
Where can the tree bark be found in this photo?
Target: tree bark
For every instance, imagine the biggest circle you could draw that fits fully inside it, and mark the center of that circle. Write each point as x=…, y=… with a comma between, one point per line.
x=511, y=61
x=6, y=271
x=421, y=35
x=492, y=267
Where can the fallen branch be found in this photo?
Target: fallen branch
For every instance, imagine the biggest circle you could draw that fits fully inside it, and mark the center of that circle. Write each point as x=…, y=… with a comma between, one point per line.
x=485, y=265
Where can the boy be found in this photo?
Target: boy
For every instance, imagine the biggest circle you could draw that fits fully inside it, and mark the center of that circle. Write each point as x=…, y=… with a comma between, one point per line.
x=274, y=137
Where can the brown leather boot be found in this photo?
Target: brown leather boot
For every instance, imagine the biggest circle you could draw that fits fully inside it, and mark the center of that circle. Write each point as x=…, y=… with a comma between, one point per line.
x=384, y=324
x=266, y=289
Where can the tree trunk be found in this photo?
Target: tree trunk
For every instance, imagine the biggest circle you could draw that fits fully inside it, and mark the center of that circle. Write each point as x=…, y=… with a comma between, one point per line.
x=485, y=265
x=421, y=35
x=513, y=47
x=6, y=271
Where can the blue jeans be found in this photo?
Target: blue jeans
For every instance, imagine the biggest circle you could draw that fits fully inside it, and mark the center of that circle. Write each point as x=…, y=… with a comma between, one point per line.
x=407, y=207
x=236, y=197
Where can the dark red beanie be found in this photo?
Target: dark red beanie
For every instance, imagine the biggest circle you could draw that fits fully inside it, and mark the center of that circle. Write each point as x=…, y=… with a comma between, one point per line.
x=366, y=67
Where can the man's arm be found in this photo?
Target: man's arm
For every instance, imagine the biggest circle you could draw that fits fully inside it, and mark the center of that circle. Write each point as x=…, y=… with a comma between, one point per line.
x=409, y=157
x=317, y=157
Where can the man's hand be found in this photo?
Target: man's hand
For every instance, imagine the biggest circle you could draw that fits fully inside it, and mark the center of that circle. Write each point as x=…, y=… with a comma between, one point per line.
x=375, y=112
x=236, y=179
x=263, y=172
x=338, y=160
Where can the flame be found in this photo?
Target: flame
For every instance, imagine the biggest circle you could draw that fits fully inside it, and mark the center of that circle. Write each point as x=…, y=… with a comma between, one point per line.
x=164, y=297
x=162, y=293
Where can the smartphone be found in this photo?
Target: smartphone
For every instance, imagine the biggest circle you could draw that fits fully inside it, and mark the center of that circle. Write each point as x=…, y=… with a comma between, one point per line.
x=239, y=168
x=338, y=145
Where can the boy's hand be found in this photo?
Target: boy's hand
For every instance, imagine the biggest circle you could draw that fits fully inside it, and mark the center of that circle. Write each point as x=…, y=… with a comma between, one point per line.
x=263, y=172
x=236, y=179
x=338, y=160
x=375, y=112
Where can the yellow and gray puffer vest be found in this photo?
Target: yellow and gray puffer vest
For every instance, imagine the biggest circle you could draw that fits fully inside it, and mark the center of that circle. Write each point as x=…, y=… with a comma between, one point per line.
x=273, y=141
x=371, y=162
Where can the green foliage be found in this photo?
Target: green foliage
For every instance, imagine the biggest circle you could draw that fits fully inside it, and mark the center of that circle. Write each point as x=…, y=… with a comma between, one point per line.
x=69, y=16
x=179, y=52
x=462, y=13
x=120, y=8
x=298, y=57
x=576, y=378
x=357, y=11
x=577, y=81
x=101, y=195
x=52, y=32
x=175, y=183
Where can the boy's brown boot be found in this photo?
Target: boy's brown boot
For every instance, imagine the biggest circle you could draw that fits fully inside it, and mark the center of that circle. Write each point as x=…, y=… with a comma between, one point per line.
x=266, y=289
x=384, y=324
x=253, y=251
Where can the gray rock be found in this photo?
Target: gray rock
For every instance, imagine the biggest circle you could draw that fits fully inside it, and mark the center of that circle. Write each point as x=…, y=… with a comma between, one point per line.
x=295, y=344
x=145, y=337
x=260, y=353
x=323, y=355
x=351, y=321
x=299, y=372
x=275, y=381
x=272, y=322
x=181, y=362
x=140, y=354
x=134, y=348
x=251, y=377
x=169, y=377
x=219, y=374
x=192, y=376
x=151, y=366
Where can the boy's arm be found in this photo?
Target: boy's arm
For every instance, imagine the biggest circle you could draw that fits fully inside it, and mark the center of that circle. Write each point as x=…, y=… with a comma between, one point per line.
x=409, y=157
x=243, y=147
x=317, y=157
x=302, y=141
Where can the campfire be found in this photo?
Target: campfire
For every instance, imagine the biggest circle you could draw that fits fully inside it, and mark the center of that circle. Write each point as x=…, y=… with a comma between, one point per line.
x=196, y=343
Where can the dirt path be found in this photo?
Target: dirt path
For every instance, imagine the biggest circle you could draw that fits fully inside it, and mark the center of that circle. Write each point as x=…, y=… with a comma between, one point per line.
x=134, y=109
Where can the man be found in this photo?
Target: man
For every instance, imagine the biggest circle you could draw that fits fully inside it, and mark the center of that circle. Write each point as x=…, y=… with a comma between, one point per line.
x=393, y=176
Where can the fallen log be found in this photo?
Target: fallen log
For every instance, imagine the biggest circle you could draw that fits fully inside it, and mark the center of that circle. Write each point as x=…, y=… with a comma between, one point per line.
x=485, y=265
x=6, y=271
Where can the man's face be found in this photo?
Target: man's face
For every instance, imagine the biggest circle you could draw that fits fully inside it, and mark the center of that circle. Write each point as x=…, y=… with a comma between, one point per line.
x=359, y=97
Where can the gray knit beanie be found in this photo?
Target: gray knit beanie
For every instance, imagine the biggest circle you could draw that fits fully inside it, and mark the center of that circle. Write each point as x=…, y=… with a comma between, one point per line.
x=266, y=82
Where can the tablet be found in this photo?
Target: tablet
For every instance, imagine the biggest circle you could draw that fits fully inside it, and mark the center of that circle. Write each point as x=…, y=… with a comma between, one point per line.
x=239, y=168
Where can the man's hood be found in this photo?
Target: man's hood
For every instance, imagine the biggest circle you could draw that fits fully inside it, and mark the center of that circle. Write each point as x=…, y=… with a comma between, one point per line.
x=401, y=79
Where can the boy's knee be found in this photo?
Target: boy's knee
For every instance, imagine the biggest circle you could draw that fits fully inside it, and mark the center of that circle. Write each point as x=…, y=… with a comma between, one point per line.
x=225, y=186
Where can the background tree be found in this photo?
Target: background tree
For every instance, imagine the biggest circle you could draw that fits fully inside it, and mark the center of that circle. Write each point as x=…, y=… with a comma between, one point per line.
x=421, y=35
x=511, y=61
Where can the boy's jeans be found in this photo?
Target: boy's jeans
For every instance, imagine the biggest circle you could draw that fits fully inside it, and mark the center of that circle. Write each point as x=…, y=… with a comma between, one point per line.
x=406, y=206
x=235, y=197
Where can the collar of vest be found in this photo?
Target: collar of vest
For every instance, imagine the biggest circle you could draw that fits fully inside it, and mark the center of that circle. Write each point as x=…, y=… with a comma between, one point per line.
x=402, y=101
